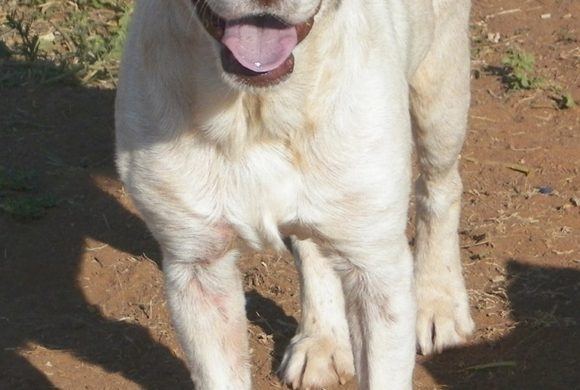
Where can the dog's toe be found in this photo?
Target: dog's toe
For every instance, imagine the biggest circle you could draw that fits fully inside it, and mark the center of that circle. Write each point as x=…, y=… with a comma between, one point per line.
x=314, y=362
x=443, y=322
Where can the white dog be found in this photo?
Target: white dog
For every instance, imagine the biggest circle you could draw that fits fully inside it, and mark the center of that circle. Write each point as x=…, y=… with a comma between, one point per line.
x=267, y=119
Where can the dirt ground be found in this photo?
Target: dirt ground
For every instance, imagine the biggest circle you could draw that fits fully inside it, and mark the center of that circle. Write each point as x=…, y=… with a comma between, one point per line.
x=81, y=295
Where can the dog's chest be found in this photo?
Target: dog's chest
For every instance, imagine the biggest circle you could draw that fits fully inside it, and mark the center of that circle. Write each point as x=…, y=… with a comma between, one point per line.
x=264, y=193
x=258, y=170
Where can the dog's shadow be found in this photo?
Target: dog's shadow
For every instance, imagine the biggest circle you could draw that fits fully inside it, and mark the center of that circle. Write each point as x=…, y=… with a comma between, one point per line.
x=539, y=351
x=272, y=319
x=64, y=135
x=540, y=348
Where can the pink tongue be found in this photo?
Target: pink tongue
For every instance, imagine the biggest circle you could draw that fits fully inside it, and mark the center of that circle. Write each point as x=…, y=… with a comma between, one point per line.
x=259, y=47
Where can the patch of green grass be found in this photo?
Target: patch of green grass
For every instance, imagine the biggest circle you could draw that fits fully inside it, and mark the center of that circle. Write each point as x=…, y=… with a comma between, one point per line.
x=27, y=207
x=98, y=54
x=25, y=62
x=566, y=101
x=19, y=195
x=17, y=180
x=28, y=45
x=14, y=74
x=5, y=52
x=46, y=41
x=561, y=96
x=520, y=72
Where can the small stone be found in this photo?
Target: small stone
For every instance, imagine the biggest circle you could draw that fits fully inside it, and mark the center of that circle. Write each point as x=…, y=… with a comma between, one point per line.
x=545, y=190
x=498, y=279
x=493, y=37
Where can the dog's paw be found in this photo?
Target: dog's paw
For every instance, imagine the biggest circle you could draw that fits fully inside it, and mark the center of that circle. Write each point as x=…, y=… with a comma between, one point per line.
x=443, y=318
x=315, y=362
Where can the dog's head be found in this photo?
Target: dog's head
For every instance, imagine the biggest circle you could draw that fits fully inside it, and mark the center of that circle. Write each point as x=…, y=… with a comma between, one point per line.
x=256, y=38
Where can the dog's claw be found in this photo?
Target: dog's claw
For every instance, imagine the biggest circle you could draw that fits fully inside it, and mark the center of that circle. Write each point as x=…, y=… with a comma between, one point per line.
x=314, y=362
x=442, y=323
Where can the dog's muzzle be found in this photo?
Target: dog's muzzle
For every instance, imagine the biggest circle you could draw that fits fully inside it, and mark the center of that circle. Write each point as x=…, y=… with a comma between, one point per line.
x=257, y=49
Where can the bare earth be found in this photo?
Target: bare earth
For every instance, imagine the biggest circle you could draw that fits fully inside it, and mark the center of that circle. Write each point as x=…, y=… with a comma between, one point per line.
x=81, y=295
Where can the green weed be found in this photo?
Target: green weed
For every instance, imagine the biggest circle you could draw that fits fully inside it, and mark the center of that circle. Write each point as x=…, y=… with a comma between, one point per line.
x=520, y=73
x=79, y=40
x=27, y=207
x=19, y=195
x=29, y=42
x=5, y=52
x=566, y=101
x=563, y=99
x=17, y=180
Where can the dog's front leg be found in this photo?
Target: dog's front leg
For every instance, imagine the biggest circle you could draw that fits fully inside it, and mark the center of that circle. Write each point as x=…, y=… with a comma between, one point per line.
x=206, y=300
x=378, y=284
x=320, y=354
x=440, y=103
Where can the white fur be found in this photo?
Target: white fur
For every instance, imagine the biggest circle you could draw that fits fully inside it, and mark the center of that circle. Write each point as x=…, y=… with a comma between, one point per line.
x=325, y=157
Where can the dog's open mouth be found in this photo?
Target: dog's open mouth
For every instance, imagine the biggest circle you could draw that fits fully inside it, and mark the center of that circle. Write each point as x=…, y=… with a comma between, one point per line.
x=256, y=49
